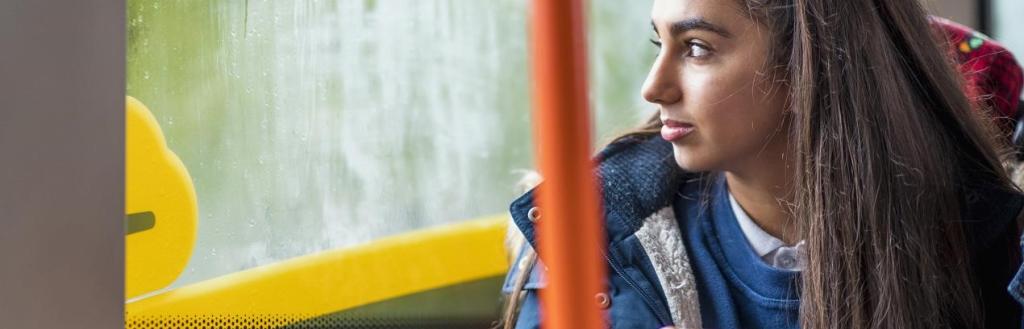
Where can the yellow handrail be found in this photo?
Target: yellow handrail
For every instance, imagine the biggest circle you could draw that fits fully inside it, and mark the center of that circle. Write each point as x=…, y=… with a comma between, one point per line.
x=313, y=285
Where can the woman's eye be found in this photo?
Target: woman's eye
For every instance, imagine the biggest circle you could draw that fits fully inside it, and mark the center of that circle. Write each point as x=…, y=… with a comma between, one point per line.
x=695, y=50
x=698, y=51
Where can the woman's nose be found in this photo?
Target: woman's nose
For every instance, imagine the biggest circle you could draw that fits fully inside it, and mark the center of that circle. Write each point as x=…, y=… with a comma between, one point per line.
x=662, y=84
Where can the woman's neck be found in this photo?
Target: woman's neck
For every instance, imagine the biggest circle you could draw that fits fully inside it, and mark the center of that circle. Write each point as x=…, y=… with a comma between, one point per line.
x=764, y=191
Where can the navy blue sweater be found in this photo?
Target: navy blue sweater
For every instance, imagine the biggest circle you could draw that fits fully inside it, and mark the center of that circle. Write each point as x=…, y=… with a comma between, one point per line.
x=736, y=288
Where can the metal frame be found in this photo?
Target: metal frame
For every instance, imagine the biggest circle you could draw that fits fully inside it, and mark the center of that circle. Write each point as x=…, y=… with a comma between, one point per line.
x=984, y=14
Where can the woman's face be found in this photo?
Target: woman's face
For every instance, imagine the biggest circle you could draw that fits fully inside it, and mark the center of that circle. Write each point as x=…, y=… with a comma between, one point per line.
x=722, y=111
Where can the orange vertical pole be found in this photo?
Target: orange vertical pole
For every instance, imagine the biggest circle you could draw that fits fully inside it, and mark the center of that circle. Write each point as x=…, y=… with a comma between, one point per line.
x=571, y=232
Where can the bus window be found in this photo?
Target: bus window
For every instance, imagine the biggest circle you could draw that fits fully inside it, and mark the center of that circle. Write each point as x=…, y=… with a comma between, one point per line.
x=309, y=128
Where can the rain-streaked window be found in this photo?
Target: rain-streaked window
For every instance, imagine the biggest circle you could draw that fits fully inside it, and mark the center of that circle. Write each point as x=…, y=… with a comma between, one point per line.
x=313, y=126
x=1007, y=18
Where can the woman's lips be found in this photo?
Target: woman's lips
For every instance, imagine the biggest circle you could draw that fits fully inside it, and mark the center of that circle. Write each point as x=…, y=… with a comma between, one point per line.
x=672, y=130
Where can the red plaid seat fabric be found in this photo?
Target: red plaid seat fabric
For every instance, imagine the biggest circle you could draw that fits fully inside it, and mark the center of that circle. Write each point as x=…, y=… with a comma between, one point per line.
x=990, y=69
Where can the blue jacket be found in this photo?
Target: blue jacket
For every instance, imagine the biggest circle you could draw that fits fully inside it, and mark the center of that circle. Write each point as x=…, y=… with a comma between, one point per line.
x=639, y=180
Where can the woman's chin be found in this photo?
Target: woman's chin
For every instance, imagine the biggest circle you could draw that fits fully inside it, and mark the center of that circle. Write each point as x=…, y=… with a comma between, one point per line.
x=687, y=161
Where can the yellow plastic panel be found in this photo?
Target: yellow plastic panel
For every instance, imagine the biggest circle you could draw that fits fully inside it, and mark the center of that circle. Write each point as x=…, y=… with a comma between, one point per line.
x=160, y=206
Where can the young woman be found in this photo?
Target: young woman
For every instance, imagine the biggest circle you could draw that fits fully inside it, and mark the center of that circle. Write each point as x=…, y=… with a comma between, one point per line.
x=814, y=164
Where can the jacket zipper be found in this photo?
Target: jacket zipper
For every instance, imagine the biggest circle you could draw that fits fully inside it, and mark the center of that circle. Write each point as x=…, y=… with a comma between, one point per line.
x=647, y=298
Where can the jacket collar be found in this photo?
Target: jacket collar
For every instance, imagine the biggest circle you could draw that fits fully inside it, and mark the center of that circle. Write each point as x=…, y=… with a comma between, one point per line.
x=638, y=177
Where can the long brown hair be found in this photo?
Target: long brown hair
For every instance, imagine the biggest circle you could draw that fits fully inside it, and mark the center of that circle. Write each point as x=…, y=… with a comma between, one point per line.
x=887, y=143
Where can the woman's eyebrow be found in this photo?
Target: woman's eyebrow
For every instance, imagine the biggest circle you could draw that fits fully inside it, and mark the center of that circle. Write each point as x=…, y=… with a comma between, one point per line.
x=697, y=23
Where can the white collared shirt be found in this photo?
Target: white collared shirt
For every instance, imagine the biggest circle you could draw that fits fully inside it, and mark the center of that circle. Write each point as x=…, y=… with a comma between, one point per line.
x=772, y=250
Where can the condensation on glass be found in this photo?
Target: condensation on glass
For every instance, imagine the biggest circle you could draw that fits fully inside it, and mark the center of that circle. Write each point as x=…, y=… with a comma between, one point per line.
x=313, y=125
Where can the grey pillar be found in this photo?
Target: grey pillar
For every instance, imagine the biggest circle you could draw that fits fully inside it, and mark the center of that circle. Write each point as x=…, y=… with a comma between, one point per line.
x=62, y=163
